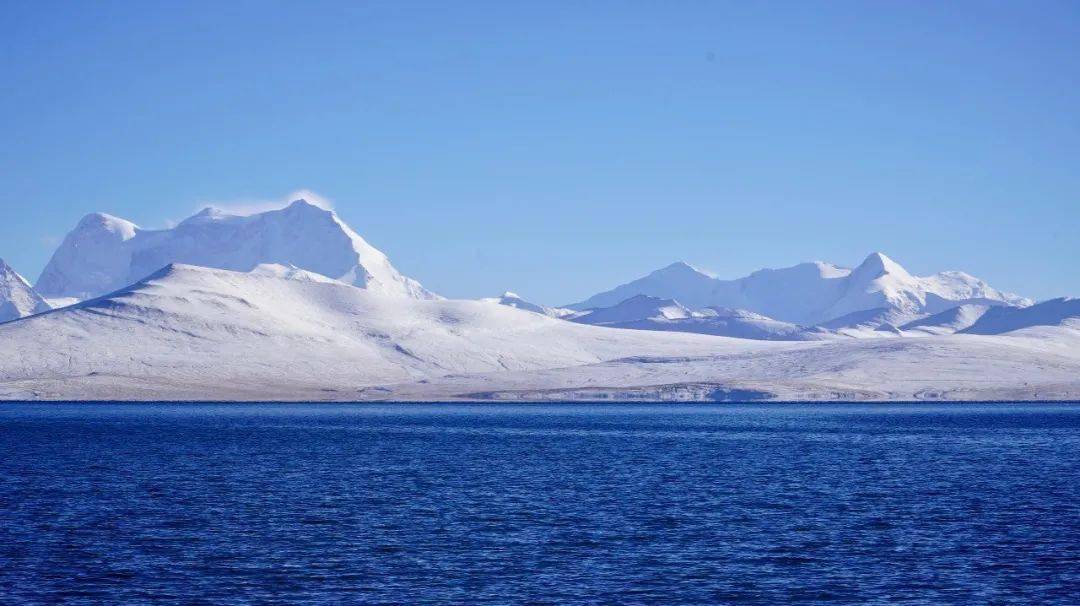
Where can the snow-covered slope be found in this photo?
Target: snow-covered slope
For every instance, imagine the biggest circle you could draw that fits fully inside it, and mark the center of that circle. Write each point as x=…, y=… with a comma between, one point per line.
x=749, y=325
x=813, y=293
x=652, y=313
x=1032, y=364
x=640, y=307
x=104, y=253
x=1054, y=312
x=221, y=334
x=280, y=333
x=947, y=322
x=17, y=298
x=511, y=299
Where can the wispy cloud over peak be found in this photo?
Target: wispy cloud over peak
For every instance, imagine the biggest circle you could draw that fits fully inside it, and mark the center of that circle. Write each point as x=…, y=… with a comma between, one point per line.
x=251, y=206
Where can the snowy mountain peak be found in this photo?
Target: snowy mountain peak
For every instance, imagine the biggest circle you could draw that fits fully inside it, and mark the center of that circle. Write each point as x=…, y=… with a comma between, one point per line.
x=210, y=213
x=107, y=224
x=681, y=268
x=104, y=253
x=17, y=298
x=876, y=265
x=302, y=205
x=90, y=258
x=679, y=277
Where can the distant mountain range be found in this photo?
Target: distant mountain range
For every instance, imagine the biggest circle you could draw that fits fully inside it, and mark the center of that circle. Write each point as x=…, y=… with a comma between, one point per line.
x=809, y=301
x=293, y=304
x=810, y=294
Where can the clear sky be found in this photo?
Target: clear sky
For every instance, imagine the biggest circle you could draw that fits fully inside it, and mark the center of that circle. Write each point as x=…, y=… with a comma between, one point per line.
x=560, y=148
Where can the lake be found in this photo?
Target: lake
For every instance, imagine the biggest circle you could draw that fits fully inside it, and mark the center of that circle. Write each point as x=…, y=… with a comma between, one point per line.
x=540, y=503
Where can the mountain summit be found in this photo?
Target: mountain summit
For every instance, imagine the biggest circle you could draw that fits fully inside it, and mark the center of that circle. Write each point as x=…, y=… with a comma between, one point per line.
x=105, y=253
x=17, y=298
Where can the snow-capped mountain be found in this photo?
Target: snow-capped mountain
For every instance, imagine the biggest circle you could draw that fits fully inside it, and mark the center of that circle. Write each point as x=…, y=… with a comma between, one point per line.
x=511, y=299
x=652, y=313
x=17, y=298
x=105, y=253
x=809, y=294
x=285, y=333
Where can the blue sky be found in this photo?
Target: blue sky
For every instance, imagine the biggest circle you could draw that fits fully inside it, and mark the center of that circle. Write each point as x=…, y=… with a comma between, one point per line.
x=559, y=148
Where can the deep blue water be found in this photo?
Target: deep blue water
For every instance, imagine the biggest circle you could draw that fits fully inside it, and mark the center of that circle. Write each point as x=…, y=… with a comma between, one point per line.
x=492, y=504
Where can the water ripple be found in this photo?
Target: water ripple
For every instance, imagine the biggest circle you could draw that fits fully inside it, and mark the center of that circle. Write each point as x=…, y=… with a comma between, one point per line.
x=491, y=504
